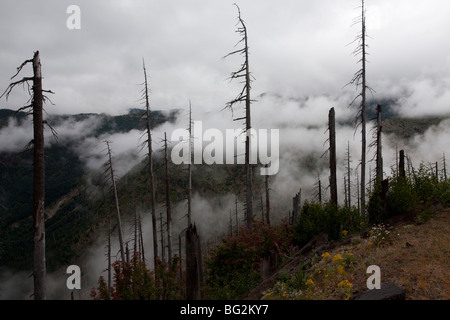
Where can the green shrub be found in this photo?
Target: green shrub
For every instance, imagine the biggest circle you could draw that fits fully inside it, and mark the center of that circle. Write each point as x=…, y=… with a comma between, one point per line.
x=316, y=218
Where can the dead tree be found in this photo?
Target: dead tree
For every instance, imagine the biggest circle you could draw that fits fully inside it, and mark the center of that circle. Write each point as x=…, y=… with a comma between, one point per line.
x=444, y=167
x=401, y=166
x=109, y=254
x=163, y=258
x=189, y=213
x=244, y=96
x=359, y=79
x=296, y=206
x=319, y=189
x=193, y=264
x=168, y=207
x=116, y=198
x=145, y=97
x=349, y=170
x=332, y=138
x=379, y=168
x=37, y=99
x=267, y=199
x=194, y=274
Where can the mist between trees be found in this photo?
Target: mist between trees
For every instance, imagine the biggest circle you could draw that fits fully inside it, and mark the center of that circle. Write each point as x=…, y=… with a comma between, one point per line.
x=298, y=156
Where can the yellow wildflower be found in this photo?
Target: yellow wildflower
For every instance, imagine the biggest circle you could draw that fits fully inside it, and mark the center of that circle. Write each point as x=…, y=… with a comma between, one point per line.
x=326, y=255
x=369, y=243
x=310, y=282
x=337, y=257
x=345, y=284
x=340, y=269
x=344, y=232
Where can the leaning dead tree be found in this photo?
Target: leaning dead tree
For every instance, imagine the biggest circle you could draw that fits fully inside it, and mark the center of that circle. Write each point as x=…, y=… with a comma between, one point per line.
x=116, y=198
x=151, y=178
x=35, y=107
x=359, y=79
x=244, y=97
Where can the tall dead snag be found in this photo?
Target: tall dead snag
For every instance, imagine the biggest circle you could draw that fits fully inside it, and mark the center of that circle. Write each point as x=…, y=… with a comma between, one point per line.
x=332, y=134
x=267, y=199
x=349, y=170
x=168, y=208
x=244, y=96
x=296, y=206
x=379, y=169
x=189, y=213
x=35, y=108
x=116, y=198
x=401, y=165
x=359, y=79
x=444, y=167
x=194, y=275
x=151, y=178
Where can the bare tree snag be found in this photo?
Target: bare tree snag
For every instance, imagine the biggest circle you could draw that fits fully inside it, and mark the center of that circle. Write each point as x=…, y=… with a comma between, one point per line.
x=332, y=134
x=444, y=166
x=37, y=99
x=379, y=169
x=296, y=206
x=267, y=199
x=163, y=257
x=349, y=170
x=116, y=198
x=244, y=96
x=193, y=264
x=151, y=178
x=359, y=79
x=401, y=165
x=168, y=207
x=189, y=214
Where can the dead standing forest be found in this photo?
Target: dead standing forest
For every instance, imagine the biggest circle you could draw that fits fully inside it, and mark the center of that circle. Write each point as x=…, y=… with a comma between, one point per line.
x=179, y=265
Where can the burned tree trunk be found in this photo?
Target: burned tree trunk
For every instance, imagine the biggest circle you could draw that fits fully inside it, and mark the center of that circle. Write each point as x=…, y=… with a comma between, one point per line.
x=168, y=208
x=39, y=271
x=116, y=198
x=332, y=134
x=359, y=79
x=267, y=200
x=244, y=96
x=296, y=206
x=349, y=176
x=37, y=100
x=401, y=165
x=379, y=170
x=151, y=178
x=193, y=264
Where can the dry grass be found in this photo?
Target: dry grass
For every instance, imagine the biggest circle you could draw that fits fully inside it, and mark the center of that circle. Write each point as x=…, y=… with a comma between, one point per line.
x=415, y=257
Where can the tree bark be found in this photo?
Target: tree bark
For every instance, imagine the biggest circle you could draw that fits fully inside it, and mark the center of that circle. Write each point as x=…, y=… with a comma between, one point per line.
x=379, y=147
x=332, y=134
x=116, y=198
x=168, y=207
x=150, y=169
x=39, y=264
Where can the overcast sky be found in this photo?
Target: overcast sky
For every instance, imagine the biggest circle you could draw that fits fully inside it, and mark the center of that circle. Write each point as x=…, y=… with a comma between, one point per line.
x=298, y=49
